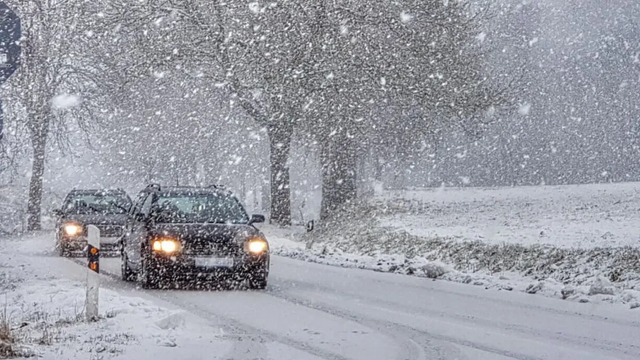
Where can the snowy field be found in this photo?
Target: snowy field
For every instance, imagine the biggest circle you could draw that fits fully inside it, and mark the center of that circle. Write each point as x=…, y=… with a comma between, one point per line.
x=583, y=216
x=579, y=243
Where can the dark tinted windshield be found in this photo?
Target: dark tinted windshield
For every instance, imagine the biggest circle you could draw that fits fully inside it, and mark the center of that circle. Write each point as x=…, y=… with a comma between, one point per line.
x=97, y=203
x=199, y=208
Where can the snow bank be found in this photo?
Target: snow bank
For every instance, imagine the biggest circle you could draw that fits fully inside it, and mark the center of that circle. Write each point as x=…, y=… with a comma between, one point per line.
x=387, y=234
x=45, y=314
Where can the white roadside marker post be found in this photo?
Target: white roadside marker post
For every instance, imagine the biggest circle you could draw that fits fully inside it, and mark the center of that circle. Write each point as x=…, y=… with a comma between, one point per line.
x=93, y=271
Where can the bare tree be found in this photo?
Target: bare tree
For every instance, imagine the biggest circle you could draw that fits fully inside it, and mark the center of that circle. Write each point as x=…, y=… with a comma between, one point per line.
x=320, y=66
x=53, y=69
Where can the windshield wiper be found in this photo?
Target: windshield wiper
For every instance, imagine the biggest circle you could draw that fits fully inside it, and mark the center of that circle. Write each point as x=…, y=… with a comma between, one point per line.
x=118, y=206
x=92, y=207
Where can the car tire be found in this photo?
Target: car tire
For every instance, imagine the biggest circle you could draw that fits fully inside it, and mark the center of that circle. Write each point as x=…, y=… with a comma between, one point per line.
x=258, y=280
x=149, y=277
x=127, y=274
x=63, y=251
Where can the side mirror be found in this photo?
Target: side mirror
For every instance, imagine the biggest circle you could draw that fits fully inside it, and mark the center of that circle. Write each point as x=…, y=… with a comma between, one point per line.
x=255, y=219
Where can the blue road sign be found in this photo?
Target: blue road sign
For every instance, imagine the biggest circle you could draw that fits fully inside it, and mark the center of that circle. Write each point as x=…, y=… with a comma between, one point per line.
x=10, y=33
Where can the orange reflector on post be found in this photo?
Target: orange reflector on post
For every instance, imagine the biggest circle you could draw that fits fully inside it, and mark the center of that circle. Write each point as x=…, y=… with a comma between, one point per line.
x=94, y=258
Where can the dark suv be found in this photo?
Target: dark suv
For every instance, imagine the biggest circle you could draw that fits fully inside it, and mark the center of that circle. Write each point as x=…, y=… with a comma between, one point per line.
x=106, y=209
x=192, y=233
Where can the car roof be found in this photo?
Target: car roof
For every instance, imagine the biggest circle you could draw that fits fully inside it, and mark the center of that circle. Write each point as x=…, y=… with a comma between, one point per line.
x=192, y=190
x=97, y=191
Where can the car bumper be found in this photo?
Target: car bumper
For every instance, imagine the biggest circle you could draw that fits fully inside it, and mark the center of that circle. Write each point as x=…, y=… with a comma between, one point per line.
x=78, y=243
x=191, y=267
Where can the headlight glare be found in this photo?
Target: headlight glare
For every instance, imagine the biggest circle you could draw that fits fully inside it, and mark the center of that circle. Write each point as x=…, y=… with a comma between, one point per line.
x=72, y=229
x=257, y=246
x=168, y=246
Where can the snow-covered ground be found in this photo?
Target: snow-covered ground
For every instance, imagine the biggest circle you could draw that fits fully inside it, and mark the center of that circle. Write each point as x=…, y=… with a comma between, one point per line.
x=309, y=312
x=580, y=243
x=314, y=311
x=43, y=301
x=584, y=216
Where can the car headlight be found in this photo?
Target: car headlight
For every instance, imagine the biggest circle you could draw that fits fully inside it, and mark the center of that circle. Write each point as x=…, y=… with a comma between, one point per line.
x=72, y=229
x=168, y=246
x=257, y=246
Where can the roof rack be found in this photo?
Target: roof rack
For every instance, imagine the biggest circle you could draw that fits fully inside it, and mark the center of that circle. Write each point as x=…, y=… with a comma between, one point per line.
x=217, y=186
x=111, y=190
x=154, y=186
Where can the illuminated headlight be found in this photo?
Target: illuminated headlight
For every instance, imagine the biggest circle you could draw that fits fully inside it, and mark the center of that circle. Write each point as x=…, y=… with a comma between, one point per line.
x=257, y=246
x=168, y=246
x=72, y=229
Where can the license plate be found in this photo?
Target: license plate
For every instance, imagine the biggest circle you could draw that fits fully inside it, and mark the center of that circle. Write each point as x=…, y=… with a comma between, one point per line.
x=109, y=240
x=214, y=262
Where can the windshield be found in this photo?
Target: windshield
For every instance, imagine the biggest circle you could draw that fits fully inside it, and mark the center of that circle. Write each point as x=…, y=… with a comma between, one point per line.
x=200, y=208
x=106, y=204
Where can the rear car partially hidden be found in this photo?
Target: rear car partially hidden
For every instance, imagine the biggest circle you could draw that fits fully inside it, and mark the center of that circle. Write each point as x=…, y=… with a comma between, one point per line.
x=106, y=209
x=193, y=234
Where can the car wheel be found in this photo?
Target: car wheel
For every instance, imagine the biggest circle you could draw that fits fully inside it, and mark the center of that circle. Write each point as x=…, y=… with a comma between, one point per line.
x=62, y=249
x=149, y=277
x=127, y=273
x=258, y=280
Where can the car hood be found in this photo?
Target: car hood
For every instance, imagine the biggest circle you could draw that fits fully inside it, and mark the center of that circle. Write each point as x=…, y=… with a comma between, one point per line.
x=220, y=233
x=97, y=219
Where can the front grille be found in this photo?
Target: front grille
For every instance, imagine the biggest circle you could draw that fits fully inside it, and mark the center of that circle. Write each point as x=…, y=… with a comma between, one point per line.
x=110, y=230
x=208, y=248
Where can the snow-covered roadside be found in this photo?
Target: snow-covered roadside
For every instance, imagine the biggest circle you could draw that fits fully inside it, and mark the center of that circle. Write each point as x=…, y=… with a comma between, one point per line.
x=45, y=314
x=585, y=280
x=388, y=235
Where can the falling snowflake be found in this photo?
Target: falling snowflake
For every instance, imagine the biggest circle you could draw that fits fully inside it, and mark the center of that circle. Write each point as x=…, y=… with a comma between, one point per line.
x=405, y=17
x=65, y=101
x=255, y=7
x=524, y=109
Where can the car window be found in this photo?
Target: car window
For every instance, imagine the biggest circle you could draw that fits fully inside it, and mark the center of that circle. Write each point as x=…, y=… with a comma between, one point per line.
x=97, y=203
x=199, y=208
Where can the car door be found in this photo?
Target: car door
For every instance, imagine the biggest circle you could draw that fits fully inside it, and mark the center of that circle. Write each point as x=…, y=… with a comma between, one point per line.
x=127, y=243
x=139, y=231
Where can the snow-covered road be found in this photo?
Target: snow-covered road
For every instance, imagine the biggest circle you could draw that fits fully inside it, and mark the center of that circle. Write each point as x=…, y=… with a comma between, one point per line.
x=313, y=311
x=336, y=313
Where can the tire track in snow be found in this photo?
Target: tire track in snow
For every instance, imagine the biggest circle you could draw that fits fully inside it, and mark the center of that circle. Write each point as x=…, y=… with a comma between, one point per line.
x=471, y=297
x=415, y=339
x=422, y=336
x=419, y=338
x=230, y=324
x=623, y=349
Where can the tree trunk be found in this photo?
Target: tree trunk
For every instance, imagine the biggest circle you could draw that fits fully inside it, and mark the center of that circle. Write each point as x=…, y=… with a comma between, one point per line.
x=280, y=144
x=339, y=168
x=265, y=200
x=34, y=206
